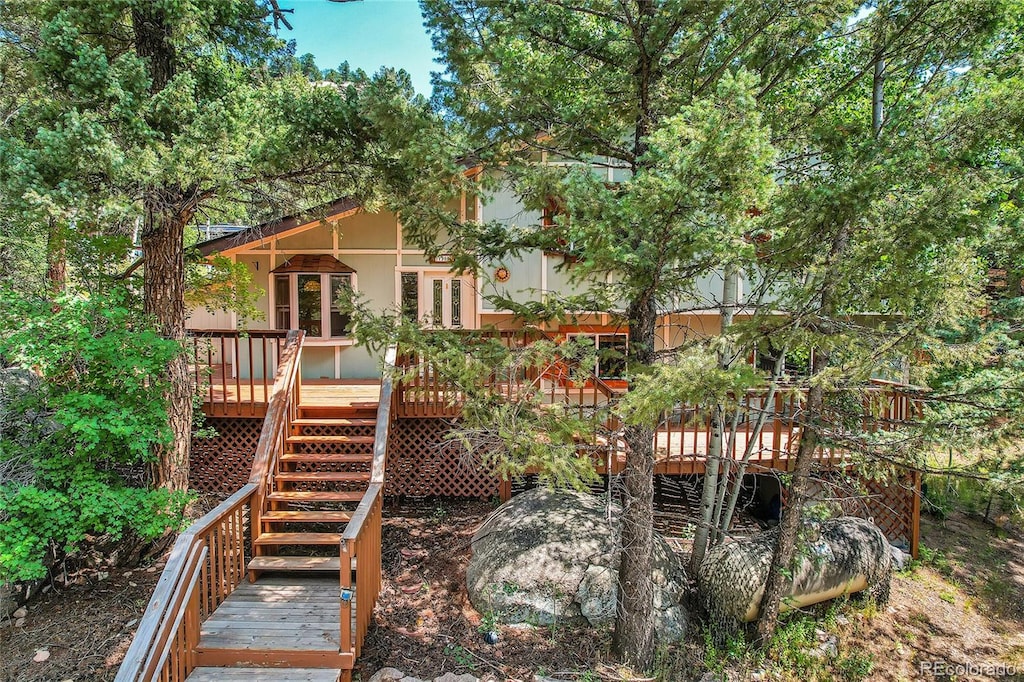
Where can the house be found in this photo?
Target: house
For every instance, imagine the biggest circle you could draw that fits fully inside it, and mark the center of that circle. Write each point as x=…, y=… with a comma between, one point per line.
x=311, y=436
x=301, y=263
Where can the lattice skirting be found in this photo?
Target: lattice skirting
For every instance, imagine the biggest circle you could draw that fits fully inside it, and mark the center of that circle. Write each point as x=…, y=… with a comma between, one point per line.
x=422, y=463
x=891, y=503
x=222, y=464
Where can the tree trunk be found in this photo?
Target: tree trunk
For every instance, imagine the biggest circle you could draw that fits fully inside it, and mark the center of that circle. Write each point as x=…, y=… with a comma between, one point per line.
x=166, y=211
x=713, y=465
x=56, y=259
x=779, y=572
x=634, y=624
x=782, y=558
x=164, y=301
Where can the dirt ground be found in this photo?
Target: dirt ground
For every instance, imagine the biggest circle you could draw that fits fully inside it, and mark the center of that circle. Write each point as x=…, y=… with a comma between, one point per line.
x=963, y=603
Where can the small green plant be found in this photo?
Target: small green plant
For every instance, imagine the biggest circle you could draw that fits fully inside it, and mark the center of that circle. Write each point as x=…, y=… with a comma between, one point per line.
x=855, y=666
x=488, y=621
x=461, y=656
x=937, y=560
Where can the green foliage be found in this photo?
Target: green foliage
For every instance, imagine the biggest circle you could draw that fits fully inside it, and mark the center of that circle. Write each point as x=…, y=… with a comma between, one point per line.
x=100, y=406
x=695, y=378
x=219, y=284
x=509, y=434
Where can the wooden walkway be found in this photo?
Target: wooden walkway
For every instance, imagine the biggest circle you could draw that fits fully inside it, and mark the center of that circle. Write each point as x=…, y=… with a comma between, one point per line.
x=271, y=620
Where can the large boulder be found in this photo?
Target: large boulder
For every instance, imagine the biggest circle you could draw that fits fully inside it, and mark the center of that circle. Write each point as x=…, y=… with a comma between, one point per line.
x=549, y=557
x=836, y=557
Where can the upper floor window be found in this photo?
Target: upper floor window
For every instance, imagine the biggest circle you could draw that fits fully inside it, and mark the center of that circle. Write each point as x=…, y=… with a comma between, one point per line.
x=306, y=293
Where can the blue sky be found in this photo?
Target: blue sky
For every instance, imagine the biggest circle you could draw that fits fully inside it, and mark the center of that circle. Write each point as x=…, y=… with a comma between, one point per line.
x=369, y=34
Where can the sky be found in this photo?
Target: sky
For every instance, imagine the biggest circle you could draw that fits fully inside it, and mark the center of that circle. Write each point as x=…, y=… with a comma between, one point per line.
x=369, y=34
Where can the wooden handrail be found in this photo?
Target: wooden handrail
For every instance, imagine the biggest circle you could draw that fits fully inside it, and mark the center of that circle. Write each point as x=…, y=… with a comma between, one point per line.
x=281, y=410
x=166, y=605
x=185, y=604
x=384, y=416
x=207, y=561
x=360, y=554
x=237, y=333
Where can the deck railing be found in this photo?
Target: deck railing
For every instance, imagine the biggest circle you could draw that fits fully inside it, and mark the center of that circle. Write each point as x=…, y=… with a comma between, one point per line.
x=424, y=391
x=207, y=561
x=233, y=370
x=764, y=426
x=360, y=545
x=205, y=565
x=360, y=556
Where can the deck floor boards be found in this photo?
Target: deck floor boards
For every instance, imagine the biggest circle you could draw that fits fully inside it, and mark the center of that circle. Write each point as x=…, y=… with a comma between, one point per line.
x=264, y=674
x=277, y=613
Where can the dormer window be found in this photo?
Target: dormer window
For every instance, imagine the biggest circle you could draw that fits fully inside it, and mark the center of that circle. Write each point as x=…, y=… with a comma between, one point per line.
x=306, y=293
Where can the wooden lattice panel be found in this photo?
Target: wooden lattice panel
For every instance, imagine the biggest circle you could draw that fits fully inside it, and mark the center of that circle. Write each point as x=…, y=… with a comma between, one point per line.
x=421, y=462
x=222, y=464
x=892, y=504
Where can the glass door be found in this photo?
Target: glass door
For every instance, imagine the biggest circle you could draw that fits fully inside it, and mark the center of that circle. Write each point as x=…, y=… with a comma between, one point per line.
x=444, y=301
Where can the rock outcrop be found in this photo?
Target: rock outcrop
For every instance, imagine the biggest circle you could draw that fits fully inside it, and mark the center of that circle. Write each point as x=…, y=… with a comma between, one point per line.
x=553, y=556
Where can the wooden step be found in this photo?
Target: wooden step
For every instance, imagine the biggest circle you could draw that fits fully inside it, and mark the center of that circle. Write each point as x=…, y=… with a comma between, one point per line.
x=210, y=674
x=327, y=457
x=301, y=516
x=295, y=563
x=298, y=539
x=336, y=421
x=322, y=476
x=316, y=496
x=340, y=440
x=362, y=411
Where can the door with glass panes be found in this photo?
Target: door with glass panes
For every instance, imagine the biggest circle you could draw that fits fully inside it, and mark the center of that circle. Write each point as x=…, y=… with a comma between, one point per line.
x=438, y=299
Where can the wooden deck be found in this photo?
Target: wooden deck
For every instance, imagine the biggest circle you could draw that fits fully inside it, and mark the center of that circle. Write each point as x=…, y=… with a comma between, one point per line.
x=279, y=614
x=249, y=399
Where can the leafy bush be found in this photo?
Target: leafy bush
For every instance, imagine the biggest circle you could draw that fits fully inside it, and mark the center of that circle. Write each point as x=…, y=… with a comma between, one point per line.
x=102, y=406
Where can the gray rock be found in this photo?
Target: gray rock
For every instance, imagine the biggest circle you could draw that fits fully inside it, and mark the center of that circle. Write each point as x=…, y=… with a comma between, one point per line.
x=899, y=558
x=848, y=554
x=552, y=556
x=387, y=675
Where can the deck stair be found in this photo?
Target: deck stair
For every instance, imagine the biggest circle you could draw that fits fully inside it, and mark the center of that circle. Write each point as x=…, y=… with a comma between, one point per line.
x=318, y=481
x=279, y=580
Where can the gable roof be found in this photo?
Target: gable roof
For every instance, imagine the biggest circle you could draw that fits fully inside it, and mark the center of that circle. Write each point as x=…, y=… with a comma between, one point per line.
x=311, y=263
x=276, y=227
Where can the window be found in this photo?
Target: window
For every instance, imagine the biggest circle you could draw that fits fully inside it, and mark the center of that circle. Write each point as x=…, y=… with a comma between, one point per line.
x=611, y=354
x=411, y=295
x=306, y=293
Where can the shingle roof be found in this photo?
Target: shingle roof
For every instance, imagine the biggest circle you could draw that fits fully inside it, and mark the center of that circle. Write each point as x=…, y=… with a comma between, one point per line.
x=269, y=229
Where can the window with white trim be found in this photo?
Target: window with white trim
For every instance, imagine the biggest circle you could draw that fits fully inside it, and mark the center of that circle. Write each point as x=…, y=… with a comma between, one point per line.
x=309, y=301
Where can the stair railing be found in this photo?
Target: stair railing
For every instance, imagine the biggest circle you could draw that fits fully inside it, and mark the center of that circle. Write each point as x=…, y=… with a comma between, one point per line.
x=208, y=561
x=360, y=544
x=281, y=411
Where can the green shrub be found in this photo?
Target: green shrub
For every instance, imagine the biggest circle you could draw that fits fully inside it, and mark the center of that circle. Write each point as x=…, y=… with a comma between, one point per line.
x=99, y=407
